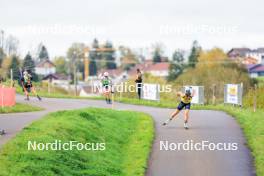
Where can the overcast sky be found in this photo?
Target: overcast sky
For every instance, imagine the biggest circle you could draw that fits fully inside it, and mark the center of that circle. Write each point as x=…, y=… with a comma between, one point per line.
x=134, y=23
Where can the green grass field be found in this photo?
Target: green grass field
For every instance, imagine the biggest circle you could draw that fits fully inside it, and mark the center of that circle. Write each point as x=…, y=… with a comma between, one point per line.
x=19, y=107
x=128, y=137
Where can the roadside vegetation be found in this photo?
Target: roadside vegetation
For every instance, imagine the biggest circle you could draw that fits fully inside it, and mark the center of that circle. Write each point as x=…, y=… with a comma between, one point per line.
x=127, y=136
x=19, y=107
x=213, y=70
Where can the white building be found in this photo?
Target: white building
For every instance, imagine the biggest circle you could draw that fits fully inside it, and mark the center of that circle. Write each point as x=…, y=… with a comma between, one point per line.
x=159, y=69
x=45, y=68
x=257, y=54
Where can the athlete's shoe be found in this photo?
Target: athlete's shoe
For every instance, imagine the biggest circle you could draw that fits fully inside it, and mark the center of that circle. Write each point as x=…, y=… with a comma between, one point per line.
x=39, y=98
x=185, y=126
x=2, y=132
x=166, y=122
x=27, y=98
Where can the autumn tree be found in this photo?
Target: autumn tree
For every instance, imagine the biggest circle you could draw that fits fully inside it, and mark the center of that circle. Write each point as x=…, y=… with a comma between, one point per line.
x=213, y=70
x=2, y=56
x=128, y=57
x=75, y=54
x=61, y=65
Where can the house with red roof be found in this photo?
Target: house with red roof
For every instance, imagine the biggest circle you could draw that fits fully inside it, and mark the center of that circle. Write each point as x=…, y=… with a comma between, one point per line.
x=160, y=69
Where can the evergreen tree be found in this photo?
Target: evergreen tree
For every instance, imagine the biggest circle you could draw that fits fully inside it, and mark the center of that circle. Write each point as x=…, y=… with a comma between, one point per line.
x=15, y=68
x=193, y=57
x=157, y=56
x=29, y=65
x=94, y=56
x=95, y=43
x=43, y=53
x=92, y=67
x=158, y=50
x=176, y=66
x=110, y=56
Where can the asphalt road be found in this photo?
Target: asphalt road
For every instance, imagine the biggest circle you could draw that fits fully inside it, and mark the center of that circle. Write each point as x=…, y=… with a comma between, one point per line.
x=213, y=126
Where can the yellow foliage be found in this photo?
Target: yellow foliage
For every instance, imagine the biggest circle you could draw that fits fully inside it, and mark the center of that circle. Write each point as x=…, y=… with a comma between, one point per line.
x=212, y=58
x=5, y=66
x=213, y=71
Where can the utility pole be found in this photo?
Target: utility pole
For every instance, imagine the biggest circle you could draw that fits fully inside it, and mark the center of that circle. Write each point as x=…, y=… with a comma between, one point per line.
x=74, y=72
x=11, y=75
x=86, y=64
x=214, y=92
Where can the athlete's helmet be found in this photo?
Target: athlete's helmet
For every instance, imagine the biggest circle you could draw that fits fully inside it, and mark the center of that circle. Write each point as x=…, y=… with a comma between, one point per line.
x=25, y=73
x=106, y=74
x=188, y=92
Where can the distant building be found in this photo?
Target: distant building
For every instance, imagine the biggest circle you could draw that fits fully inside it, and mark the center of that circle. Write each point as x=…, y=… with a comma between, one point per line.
x=142, y=66
x=249, y=61
x=57, y=79
x=45, y=68
x=257, y=54
x=256, y=70
x=160, y=69
x=238, y=52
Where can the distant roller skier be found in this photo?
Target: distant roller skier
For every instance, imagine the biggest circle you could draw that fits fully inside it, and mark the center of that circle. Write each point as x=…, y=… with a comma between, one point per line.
x=107, y=87
x=2, y=132
x=27, y=85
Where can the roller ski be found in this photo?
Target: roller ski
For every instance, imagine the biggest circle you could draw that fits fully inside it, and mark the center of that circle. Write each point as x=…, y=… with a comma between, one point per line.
x=2, y=132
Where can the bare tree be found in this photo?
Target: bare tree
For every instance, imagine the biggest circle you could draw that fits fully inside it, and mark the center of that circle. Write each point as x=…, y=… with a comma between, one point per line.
x=11, y=45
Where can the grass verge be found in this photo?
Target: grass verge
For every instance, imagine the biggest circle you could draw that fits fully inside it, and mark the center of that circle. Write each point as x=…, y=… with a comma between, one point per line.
x=128, y=137
x=19, y=107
